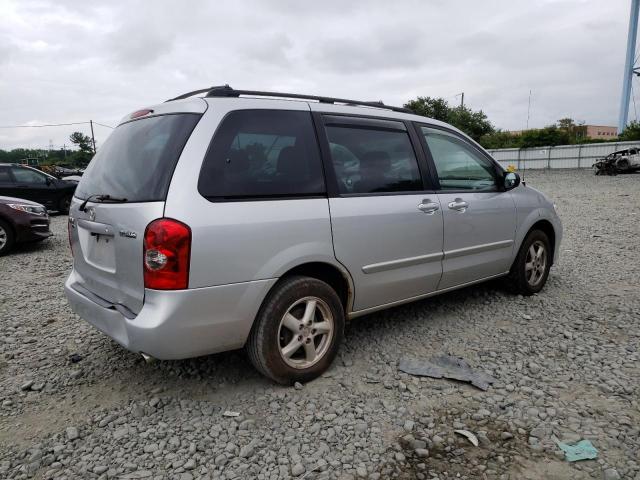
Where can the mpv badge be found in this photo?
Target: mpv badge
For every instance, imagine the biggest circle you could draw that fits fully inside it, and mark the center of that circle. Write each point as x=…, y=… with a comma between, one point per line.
x=92, y=213
x=124, y=233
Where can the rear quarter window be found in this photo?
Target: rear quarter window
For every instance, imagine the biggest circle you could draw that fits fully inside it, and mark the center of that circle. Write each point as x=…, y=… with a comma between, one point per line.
x=138, y=159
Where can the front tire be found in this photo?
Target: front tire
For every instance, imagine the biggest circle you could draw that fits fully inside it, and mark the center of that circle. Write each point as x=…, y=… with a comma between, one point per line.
x=531, y=267
x=298, y=330
x=7, y=238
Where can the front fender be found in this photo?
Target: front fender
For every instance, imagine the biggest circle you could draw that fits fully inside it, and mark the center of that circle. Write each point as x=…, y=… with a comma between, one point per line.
x=533, y=207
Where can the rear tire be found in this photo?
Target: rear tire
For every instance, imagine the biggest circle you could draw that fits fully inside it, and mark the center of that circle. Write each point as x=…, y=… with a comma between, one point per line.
x=64, y=204
x=530, y=269
x=298, y=330
x=7, y=238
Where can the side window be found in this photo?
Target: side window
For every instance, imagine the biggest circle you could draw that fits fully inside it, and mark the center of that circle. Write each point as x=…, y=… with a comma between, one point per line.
x=263, y=153
x=458, y=165
x=368, y=160
x=4, y=175
x=25, y=175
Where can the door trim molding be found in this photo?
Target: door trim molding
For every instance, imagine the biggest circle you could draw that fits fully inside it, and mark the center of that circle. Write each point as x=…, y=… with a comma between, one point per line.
x=485, y=247
x=403, y=262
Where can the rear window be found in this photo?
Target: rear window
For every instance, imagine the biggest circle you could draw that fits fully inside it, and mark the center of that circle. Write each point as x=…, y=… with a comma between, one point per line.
x=262, y=154
x=137, y=160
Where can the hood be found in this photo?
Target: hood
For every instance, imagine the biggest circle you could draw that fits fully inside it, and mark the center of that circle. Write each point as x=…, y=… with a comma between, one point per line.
x=5, y=200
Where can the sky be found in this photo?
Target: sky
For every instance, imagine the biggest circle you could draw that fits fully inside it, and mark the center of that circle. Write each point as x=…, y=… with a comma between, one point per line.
x=65, y=61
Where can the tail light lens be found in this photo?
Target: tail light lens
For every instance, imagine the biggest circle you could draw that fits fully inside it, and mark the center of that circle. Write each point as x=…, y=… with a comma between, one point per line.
x=167, y=252
x=70, y=225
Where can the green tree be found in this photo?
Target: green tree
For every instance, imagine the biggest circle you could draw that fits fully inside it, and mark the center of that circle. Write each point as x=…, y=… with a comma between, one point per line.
x=545, y=137
x=501, y=139
x=82, y=156
x=473, y=123
x=577, y=131
x=566, y=123
x=436, y=108
x=82, y=141
x=631, y=132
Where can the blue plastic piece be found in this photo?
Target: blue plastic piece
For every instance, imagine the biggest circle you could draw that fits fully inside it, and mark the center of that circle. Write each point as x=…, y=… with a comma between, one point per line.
x=583, y=450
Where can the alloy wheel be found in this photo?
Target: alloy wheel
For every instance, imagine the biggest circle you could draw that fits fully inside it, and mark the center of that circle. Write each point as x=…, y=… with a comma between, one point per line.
x=535, y=263
x=3, y=237
x=305, y=333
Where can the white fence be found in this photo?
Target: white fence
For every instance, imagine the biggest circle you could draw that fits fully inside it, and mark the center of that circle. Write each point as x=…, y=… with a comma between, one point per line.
x=562, y=156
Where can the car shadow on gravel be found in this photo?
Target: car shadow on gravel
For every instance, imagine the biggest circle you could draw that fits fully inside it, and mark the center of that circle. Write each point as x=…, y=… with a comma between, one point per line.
x=396, y=320
x=28, y=248
x=199, y=376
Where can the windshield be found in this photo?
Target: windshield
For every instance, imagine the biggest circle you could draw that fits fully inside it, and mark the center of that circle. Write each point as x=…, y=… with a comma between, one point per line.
x=137, y=160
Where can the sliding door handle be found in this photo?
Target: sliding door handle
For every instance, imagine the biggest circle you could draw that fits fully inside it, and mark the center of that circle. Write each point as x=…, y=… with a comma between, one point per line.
x=428, y=206
x=459, y=205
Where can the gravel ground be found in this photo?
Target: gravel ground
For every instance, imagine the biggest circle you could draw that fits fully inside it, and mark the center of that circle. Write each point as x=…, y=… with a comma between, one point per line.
x=73, y=404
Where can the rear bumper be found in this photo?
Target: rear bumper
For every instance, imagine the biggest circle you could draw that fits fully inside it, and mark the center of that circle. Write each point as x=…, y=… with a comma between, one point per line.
x=178, y=324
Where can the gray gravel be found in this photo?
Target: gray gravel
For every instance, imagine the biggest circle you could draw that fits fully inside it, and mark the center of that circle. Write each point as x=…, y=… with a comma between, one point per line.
x=73, y=404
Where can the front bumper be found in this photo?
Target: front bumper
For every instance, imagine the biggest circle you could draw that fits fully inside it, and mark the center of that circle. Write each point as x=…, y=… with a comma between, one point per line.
x=30, y=228
x=176, y=324
x=559, y=232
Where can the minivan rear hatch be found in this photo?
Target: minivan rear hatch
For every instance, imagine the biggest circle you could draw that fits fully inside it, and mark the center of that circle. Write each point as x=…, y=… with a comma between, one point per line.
x=125, y=188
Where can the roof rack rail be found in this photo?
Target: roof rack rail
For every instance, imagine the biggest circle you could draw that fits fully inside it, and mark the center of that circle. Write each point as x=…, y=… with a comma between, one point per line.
x=227, y=91
x=189, y=94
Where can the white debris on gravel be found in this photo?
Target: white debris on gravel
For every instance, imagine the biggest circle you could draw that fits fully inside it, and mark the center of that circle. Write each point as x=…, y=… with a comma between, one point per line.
x=567, y=364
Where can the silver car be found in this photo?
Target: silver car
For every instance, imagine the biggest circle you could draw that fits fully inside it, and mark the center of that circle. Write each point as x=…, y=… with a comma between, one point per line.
x=226, y=219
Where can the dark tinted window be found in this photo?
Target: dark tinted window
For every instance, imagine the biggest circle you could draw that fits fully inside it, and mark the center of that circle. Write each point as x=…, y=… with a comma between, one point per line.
x=369, y=160
x=28, y=176
x=4, y=175
x=459, y=166
x=137, y=160
x=262, y=153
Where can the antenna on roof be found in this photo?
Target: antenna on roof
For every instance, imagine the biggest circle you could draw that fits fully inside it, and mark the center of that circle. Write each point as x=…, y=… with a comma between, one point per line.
x=524, y=164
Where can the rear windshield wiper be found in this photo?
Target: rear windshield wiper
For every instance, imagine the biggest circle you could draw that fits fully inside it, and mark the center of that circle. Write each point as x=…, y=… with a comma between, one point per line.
x=100, y=198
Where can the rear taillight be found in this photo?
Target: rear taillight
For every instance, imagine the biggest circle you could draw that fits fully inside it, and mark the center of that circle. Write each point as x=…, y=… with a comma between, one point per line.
x=167, y=251
x=70, y=225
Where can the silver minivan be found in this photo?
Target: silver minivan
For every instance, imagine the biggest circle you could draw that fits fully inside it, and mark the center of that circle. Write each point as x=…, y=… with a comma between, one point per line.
x=226, y=218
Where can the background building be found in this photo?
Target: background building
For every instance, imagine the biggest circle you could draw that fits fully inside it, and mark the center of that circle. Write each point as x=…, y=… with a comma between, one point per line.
x=601, y=131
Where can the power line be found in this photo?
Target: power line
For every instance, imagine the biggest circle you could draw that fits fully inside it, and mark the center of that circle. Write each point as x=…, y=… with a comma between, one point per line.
x=103, y=125
x=46, y=125
x=56, y=125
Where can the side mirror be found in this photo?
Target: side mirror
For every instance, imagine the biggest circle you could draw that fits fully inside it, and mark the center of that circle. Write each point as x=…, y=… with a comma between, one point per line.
x=511, y=180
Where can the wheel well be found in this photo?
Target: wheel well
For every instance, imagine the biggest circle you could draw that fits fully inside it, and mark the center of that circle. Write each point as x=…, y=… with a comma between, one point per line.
x=547, y=228
x=329, y=274
x=9, y=224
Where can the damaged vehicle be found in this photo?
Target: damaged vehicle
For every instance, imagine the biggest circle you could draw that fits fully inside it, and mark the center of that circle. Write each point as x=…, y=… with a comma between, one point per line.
x=266, y=220
x=622, y=161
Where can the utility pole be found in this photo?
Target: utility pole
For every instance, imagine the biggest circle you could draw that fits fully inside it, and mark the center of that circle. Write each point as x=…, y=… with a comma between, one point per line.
x=528, y=110
x=462, y=100
x=93, y=139
x=64, y=149
x=628, y=65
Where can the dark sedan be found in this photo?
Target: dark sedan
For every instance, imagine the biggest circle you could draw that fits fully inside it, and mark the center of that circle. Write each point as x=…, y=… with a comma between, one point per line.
x=25, y=182
x=21, y=221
